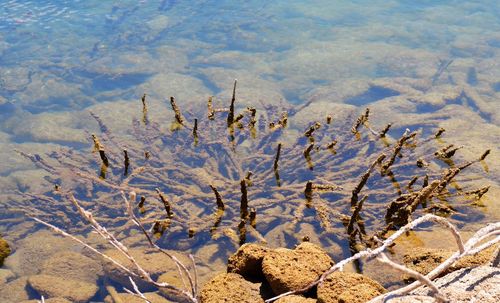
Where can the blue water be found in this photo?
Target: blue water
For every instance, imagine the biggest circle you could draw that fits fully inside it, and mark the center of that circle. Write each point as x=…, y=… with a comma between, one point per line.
x=60, y=58
x=295, y=46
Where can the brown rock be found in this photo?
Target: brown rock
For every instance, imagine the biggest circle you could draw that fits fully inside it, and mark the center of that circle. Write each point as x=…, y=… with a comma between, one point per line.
x=128, y=298
x=155, y=263
x=52, y=286
x=287, y=269
x=5, y=275
x=424, y=260
x=230, y=288
x=172, y=277
x=247, y=261
x=348, y=287
x=4, y=250
x=34, y=250
x=479, y=259
x=359, y=293
x=72, y=265
x=50, y=300
x=15, y=291
x=295, y=299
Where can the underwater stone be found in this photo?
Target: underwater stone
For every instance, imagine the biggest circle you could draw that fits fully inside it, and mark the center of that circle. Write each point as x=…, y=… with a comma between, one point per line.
x=5, y=275
x=154, y=263
x=73, y=290
x=423, y=259
x=72, y=265
x=15, y=291
x=287, y=269
x=34, y=250
x=50, y=300
x=125, y=297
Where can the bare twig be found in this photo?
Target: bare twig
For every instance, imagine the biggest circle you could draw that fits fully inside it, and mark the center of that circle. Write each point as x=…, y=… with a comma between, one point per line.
x=136, y=292
x=415, y=274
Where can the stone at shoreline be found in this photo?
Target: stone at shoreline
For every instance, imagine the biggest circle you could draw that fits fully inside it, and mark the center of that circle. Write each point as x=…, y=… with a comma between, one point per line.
x=247, y=261
x=72, y=265
x=128, y=298
x=15, y=291
x=230, y=288
x=295, y=299
x=348, y=287
x=477, y=284
x=4, y=250
x=57, y=286
x=287, y=269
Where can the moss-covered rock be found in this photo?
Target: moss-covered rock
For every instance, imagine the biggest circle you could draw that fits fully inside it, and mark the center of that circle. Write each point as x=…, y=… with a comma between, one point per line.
x=4, y=250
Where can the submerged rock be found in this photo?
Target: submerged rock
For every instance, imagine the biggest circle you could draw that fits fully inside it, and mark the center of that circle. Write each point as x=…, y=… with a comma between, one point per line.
x=57, y=286
x=424, y=260
x=4, y=250
x=287, y=269
x=230, y=288
x=50, y=300
x=34, y=250
x=5, y=275
x=348, y=287
x=128, y=298
x=15, y=291
x=72, y=265
x=154, y=263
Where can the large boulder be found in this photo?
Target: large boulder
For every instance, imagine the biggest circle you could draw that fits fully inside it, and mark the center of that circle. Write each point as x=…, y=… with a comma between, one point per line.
x=287, y=269
x=247, y=261
x=230, y=288
x=60, y=286
x=344, y=287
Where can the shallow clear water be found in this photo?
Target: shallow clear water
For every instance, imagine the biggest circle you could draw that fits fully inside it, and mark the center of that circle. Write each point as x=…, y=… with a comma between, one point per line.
x=419, y=65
